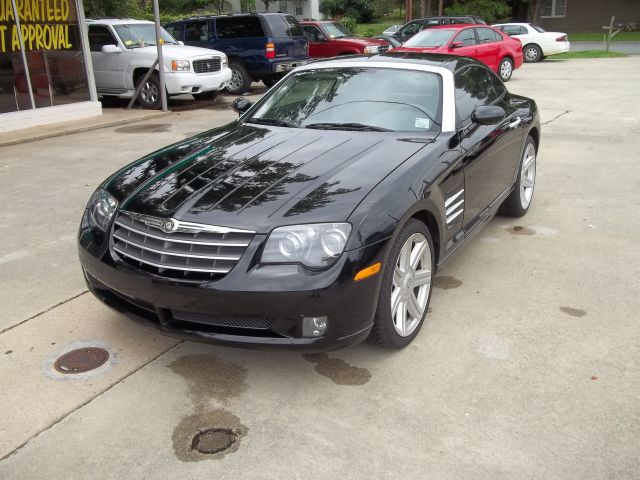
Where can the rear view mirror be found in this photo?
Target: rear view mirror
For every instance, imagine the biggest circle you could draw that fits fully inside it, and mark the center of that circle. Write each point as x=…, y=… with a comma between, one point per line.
x=488, y=114
x=110, y=49
x=241, y=105
x=456, y=45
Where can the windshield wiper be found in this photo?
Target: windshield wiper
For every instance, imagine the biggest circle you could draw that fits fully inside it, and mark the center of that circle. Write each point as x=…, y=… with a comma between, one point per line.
x=271, y=121
x=347, y=126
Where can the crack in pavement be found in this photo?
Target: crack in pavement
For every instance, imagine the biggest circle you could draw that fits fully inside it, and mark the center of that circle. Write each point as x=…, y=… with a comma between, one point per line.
x=44, y=311
x=556, y=117
x=62, y=417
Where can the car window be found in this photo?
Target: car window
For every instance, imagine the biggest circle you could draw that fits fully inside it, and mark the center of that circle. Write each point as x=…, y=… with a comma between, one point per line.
x=196, y=31
x=486, y=35
x=467, y=37
x=295, y=29
x=430, y=38
x=411, y=28
x=394, y=99
x=537, y=28
x=174, y=29
x=514, y=29
x=312, y=33
x=239, y=27
x=100, y=35
x=434, y=22
x=139, y=34
x=475, y=86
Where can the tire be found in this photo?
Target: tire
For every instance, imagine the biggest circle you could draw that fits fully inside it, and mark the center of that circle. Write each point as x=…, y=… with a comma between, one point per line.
x=532, y=53
x=505, y=69
x=519, y=201
x=270, y=81
x=397, y=329
x=150, y=94
x=210, y=95
x=240, y=79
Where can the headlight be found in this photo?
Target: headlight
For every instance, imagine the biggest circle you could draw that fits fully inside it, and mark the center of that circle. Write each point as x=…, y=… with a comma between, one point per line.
x=180, y=65
x=101, y=208
x=370, y=49
x=314, y=245
x=225, y=61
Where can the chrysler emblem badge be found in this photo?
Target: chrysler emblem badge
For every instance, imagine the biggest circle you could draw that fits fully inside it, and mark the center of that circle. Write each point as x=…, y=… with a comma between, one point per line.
x=168, y=226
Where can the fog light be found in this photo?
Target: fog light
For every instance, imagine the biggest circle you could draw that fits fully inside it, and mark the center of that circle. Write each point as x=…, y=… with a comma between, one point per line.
x=314, y=326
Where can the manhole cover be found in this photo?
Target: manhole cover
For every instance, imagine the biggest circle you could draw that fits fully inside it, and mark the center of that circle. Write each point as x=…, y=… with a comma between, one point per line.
x=213, y=440
x=81, y=360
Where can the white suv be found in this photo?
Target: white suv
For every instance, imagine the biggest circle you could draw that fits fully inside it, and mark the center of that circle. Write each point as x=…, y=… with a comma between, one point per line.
x=123, y=50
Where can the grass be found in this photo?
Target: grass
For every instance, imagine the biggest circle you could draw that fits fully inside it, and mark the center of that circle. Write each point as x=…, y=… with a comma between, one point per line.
x=379, y=25
x=586, y=54
x=598, y=37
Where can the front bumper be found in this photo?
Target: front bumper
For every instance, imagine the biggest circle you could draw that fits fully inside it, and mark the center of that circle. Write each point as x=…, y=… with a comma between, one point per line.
x=284, y=294
x=189, y=82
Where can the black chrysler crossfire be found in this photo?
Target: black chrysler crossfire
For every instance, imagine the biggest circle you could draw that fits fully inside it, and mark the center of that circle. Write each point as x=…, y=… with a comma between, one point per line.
x=318, y=218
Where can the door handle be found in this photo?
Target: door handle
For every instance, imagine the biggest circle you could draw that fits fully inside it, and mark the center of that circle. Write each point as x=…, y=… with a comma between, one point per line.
x=515, y=123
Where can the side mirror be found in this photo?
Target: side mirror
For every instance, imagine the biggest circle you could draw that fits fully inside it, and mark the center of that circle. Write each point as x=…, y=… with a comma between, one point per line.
x=321, y=38
x=488, y=114
x=456, y=45
x=241, y=105
x=110, y=49
x=180, y=42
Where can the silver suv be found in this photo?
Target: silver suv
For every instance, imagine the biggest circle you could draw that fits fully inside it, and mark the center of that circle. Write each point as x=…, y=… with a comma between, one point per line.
x=123, y=50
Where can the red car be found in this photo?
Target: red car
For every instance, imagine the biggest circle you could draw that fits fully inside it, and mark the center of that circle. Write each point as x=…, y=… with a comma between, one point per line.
x=330, y=39
x=499, y=51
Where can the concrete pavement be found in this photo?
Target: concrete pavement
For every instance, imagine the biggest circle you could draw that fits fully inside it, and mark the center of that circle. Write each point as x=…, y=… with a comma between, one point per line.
x=528, y=365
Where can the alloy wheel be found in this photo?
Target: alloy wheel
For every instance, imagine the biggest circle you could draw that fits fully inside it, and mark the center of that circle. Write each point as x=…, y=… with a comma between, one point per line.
x=236, y=82
x=505, y=70
x=527, y=176
x=411, y=284
x=531, y=54
x=150, y=93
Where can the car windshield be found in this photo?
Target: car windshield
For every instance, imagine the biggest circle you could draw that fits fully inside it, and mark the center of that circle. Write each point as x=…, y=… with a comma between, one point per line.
x=336, y=30
x=141, y=34
x=430, y=38
x=537, y=28
x=373, y=99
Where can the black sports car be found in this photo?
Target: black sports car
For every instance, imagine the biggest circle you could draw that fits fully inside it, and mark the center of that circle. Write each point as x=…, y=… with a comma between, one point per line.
x=319, y=217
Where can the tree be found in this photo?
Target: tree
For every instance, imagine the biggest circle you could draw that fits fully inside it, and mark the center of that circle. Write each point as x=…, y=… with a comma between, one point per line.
x=492, y=11
x=361, y=10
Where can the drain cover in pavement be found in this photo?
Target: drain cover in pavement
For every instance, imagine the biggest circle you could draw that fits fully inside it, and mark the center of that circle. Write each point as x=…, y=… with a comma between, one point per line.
x=81, y=360
x=213, y=440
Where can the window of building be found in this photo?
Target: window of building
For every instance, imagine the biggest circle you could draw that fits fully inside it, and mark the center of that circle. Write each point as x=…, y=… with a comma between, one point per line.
x=554, y=8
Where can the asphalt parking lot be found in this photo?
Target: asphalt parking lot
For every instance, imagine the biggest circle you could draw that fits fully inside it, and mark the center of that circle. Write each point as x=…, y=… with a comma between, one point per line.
x=528, y=365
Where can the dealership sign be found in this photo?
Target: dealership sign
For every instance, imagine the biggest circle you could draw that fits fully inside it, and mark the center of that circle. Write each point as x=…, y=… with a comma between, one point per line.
x=43, y=24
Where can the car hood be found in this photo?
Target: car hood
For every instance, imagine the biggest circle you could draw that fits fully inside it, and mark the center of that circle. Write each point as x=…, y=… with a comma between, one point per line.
x=255, y=177
x=178, y=52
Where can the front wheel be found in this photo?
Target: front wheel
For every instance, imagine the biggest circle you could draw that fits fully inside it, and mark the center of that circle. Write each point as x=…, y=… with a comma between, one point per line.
x=532, y=53
x=505, y=69
x=406, y=287
x=150, y=94
x=270, y=81
x=240, y=79
x=519, y=201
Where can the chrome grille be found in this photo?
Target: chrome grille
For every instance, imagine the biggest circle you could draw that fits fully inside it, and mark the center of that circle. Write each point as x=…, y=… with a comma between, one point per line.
x=207, y=65
x=383, y=48
x=173, y=248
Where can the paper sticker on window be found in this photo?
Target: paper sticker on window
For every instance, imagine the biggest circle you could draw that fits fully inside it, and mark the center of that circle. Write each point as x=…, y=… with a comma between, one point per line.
x=423, y=123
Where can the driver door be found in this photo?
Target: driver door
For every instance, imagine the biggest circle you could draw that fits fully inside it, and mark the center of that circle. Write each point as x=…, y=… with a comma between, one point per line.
x=108, y=68
x=318, y=42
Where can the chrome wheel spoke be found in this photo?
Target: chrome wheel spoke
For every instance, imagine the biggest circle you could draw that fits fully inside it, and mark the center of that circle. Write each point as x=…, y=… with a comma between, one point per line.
x=397, y=277
x=400, y=319
x=396, y=301
x=413, y=306
x=416, y=254
x=421, y=277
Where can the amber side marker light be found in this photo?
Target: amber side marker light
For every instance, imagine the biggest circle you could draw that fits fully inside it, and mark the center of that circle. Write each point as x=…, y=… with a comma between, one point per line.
x=367, y=272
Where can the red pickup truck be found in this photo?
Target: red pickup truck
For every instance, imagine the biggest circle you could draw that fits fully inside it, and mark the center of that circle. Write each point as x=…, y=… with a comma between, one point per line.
x=330, y=39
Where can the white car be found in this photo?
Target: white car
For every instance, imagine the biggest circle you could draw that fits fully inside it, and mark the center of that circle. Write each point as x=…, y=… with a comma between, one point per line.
x=392, y=29
x=123, y=50
x=536, y=43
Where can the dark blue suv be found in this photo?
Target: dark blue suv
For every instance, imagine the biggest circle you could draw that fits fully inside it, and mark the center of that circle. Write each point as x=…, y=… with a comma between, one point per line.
x=260, y=46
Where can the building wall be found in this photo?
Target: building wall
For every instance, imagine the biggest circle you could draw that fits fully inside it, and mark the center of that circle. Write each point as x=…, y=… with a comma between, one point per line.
x=591, y=15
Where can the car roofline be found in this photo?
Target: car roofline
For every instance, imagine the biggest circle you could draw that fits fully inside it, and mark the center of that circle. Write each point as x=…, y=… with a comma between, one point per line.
x=448, y=92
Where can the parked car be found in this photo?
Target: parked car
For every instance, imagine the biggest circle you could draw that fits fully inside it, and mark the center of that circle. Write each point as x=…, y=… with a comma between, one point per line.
x=330, y=39
x=392, y=29
x=537, y=44
x=392, y=41
x=415, y=26
x=321, y=215
x=260, y=46
x=498, y=51
x=123, y=50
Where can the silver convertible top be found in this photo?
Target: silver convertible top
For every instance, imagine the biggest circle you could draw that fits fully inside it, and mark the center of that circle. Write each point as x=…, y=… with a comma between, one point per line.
x=448, y=92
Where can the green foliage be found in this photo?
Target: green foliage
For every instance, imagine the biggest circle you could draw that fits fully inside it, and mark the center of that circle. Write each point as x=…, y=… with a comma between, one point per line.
x=368, y=33
x=361, y=10
x=492, y=11
x=349, y=23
